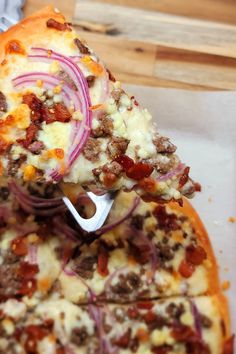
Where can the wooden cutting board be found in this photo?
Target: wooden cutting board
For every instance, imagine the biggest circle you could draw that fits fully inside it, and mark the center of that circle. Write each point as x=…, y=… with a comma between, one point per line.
x=169, y=43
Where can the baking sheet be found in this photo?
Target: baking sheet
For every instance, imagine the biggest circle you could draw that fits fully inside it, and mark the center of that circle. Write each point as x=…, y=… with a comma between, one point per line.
x=203, y=126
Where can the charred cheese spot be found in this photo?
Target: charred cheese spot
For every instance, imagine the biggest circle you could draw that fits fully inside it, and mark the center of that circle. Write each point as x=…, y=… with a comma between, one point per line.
x=15, y=47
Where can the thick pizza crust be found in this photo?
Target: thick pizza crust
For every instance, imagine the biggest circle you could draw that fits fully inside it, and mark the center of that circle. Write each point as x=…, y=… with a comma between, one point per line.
x=203, y=238
x=23, y=30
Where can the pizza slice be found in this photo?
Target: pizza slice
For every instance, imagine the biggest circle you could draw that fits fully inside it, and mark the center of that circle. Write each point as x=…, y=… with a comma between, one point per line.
x=172, y=326
x=144, y=251
x=64, y=117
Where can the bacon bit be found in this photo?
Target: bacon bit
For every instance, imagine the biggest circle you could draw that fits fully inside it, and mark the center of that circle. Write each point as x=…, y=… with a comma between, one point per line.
x=30, y=345
x=229, y=345
x=198, y=187
x=14, y=47
x=19, y=246
x=34, y=334
x=102, y=260
x=36, y=331
x=148, y=185
x=92, y=65
x=164, y=349
x=28, y=287
x=27, y=270
x=135, y=102
x=186, y=269
x=142, y=335
x=183, y=333
x=195, y=254
x=123, y=341
x=125, y=161
x=144, y=305
x=59, y=113
x=225, y=285
x=149, y=317
x=31, y=133
x=29, y=173
x=139, y=171
x=133, y=313
x=35, y=104
x=184, y=178
x=51, y=23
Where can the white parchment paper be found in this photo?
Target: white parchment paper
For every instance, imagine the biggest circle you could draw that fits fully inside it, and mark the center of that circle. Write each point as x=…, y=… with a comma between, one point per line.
x=203, y=126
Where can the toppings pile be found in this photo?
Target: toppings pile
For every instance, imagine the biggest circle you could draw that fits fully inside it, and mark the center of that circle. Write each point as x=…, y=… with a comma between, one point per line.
x=64, y=117
x=146, y=282
x=124, y=287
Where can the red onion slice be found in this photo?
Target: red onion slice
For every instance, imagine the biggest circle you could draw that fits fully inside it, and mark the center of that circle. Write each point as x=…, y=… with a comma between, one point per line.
x=197, y=319
x=173, y=173
x=49, y=82
x=33, y=250
x=81, y=130
x=36, y=205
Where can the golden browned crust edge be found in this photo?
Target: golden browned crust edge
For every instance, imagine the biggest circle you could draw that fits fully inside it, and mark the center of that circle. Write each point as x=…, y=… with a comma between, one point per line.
x=32, y=26
x=203, y=238
x=223, y=306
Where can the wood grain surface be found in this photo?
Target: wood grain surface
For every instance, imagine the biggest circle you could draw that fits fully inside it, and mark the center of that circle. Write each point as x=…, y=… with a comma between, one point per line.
x=167, y=43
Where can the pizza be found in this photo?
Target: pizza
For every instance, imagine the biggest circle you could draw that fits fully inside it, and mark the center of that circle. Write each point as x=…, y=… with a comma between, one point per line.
x=176, y=325
x=63, y=290
x=64, y=117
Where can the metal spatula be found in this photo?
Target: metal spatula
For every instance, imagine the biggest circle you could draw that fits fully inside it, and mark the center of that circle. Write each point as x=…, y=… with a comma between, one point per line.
x=103, y=203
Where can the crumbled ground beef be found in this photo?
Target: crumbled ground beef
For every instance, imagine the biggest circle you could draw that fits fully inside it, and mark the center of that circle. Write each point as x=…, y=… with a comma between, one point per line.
x=3, y=103
x=117, y=146
x=165, y=252
x=163, y=145
x=9, y=280
x=14, y=165
x=175, y=311
x=4, y=193
x=112, y=167
x=104, y=129
x=164, y=166
x=36, y=147
x=127, y=284
x=166, y=222
x=63, y=76
x=85, y=267
x=205, y=321
x=79, y=336
x=92, y=149
x=137, y=221
x=116, y=94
